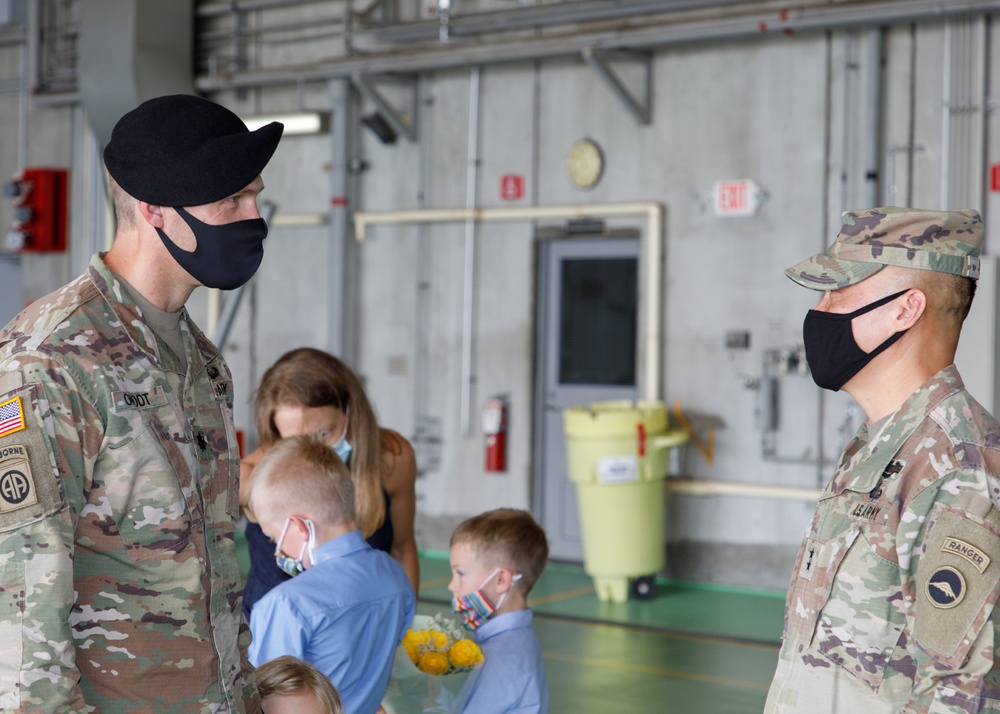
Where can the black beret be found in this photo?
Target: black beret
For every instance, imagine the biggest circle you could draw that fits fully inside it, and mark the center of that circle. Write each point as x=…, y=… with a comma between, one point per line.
x=182, y=150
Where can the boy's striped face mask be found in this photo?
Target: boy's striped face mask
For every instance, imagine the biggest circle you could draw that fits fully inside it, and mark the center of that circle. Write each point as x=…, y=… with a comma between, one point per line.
x=475, y=608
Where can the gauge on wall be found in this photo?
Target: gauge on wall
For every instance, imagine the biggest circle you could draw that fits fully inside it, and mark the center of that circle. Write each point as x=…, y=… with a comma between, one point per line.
x=585, y=163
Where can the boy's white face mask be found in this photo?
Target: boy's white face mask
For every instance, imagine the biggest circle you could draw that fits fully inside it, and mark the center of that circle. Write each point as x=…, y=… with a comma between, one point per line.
x=294, y=566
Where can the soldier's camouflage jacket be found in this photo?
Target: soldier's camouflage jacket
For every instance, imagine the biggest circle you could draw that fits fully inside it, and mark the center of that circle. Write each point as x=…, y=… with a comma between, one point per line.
x=891, y=603
x=119, y=584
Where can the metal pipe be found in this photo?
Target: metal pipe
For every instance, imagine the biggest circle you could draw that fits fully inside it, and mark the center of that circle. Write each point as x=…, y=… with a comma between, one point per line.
x=539, y=16
x=698, y=487
x=873, y=126
x=220, y=36
x=34, y=33
x=22, y=110
x=823, y=234
x=982, y=99
x=946, y=119
x=421, y=302
x=799, y=21
x=652, y=251
x=13, y=36
x=341, y=143
x=469, y=269
x=225, y=8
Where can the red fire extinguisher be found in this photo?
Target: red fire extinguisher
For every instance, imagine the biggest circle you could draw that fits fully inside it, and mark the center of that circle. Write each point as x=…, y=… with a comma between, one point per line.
x=495, y=431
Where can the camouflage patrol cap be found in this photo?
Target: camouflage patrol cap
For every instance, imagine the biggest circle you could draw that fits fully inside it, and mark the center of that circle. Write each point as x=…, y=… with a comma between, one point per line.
x=944, y=241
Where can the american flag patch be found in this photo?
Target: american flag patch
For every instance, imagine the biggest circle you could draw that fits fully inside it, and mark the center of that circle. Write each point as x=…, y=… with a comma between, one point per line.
x=11, y=416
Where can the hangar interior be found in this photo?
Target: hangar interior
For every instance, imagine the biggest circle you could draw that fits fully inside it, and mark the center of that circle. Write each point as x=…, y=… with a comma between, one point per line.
x=556, y=202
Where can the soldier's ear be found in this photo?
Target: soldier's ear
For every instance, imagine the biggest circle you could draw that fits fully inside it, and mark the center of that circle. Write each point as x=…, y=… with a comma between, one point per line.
x=909, y=308
x=151, y=213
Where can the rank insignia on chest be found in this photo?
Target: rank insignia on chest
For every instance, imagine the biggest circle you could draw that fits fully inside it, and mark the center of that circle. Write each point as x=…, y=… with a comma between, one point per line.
x=945, y=588
x=891, y=470
x=17, y=487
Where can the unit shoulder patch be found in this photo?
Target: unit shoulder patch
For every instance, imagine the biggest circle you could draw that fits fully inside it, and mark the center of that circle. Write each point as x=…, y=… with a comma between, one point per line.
x=957, y=580
x=945, y=588
x=29, y=487
x=17, y=487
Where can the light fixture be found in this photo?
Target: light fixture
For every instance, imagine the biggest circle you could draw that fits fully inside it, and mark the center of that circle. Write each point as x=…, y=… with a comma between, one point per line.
x=380, y=127
x=295, y=122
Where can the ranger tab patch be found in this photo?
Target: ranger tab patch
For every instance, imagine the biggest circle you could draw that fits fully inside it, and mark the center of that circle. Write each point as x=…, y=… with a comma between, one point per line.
x=968, y=551
x=17, y=487
x=945, y=588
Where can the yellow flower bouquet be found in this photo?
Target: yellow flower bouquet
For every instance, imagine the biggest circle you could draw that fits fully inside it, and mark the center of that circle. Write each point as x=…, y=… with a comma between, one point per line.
x=435, y=646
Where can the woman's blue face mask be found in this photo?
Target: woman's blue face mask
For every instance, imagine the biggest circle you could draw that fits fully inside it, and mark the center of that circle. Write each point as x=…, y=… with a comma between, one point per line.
x=343, y=447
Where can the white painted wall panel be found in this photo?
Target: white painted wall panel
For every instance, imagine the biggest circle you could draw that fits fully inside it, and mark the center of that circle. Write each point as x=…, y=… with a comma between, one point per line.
x=786, y=111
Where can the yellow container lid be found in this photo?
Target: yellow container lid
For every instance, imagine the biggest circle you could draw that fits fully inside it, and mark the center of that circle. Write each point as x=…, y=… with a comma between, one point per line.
x=615, y=418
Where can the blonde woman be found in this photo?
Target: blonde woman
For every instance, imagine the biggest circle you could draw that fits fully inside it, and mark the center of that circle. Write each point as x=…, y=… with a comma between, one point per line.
x=311, y=392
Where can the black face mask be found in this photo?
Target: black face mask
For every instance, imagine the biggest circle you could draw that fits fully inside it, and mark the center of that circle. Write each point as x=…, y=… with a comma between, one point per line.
x=833, y=355
x=226, y=256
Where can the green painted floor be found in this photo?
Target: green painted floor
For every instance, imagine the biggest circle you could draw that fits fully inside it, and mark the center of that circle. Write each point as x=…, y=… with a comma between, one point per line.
x=691, y=649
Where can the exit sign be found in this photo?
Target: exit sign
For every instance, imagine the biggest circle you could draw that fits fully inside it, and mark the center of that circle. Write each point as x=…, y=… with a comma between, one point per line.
x=737, y=198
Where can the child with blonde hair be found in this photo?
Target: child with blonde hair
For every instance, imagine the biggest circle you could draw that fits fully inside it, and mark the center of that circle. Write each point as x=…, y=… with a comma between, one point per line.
x=287, y=685
x=496, y=558
x=348, y=605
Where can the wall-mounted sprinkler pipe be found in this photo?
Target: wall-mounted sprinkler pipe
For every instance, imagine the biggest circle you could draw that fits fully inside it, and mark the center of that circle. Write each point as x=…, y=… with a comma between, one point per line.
x=650, y=283
x=699, y=487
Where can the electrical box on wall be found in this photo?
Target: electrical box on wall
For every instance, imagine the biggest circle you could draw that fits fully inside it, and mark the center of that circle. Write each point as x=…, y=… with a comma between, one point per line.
x=40, y=205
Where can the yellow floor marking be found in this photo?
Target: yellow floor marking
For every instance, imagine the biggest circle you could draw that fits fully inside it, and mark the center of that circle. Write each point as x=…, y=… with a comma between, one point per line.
x=556, y=597
x=435, y=583
x=587, y=622
x=659, y=671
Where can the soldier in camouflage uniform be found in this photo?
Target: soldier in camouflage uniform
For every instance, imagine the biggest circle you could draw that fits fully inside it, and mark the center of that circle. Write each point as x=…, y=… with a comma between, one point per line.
x=891, y=602
x=119, y=584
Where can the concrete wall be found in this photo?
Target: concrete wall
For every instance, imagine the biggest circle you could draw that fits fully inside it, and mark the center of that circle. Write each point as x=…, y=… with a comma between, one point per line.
x=788, y=112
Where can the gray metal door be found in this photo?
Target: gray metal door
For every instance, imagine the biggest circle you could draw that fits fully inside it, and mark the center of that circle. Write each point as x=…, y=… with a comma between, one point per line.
x=587, y=342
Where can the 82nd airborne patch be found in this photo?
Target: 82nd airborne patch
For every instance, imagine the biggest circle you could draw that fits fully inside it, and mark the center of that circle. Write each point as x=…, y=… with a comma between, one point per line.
x=17, y=487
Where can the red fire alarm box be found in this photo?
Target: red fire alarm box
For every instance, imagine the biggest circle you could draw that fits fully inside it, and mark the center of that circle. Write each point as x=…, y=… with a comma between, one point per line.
x=40, y=207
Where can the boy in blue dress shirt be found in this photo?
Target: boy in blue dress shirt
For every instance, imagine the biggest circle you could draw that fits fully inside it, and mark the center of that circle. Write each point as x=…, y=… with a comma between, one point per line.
x=349, y=606
x=496, y=558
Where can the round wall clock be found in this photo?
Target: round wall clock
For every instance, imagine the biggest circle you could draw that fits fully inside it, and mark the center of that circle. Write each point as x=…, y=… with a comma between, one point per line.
x=585, y=163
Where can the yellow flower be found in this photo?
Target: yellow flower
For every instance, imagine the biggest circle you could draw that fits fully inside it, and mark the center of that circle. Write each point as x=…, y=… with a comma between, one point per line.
x=433, y=663
x=465, y=653
x=416, y=638
x=413, y=651
x=438, y=639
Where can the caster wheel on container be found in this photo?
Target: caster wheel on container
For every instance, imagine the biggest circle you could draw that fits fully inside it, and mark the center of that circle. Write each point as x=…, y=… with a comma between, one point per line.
x=644, y=588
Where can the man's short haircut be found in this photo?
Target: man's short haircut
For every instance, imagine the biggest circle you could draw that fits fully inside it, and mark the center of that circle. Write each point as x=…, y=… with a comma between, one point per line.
x=949, y=296
x=302, y=474
x=288, y=676
x=124, y=204
x=506, y=537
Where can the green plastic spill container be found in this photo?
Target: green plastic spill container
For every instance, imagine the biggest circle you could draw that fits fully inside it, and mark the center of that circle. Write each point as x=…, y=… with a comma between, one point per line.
x=618, y=454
